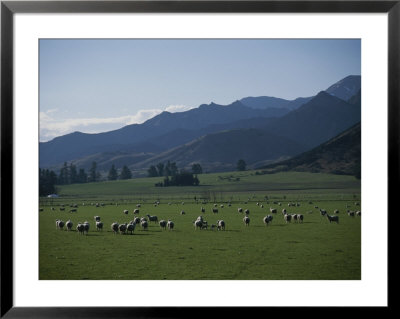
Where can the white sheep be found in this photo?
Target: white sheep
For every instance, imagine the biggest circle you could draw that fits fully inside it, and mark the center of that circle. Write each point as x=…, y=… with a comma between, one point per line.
x=59, y=224
x=131, y=227
x=136, y=211
x=144, y=224
x=300, y=218
x=170, y=224
x=126, y=211
x=86, y=226
x=247, y=212
x=115, y=227
x=99, y=225
x=163, y=224
x=69, y=224
x=97, y=218
x=80, y=228
x=240, y=210
x=273, y=210
x=152, y=218
x=267, y=219
x=350, y=213
x=358, y=213
x=333, y=218
x=122, y=228
x=246, y=220
x=215, y=210
x=287, y=218
x=220, y=225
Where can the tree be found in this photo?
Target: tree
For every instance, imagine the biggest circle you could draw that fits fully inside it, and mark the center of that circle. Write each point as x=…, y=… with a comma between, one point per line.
x=160, y=169
x=73, y=175
x=82, y=176
x=47, y=182
x=241, y=165
x=197, y=169
x=93, y=175
x=152, y=171
x=112, y=173
x=63, y=178
x=125, y=173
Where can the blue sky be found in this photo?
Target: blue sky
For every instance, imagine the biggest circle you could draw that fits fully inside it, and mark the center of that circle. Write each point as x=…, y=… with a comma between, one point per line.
x=99, y=85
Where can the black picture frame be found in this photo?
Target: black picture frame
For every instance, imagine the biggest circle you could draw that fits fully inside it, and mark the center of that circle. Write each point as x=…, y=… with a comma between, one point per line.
x=9, y=8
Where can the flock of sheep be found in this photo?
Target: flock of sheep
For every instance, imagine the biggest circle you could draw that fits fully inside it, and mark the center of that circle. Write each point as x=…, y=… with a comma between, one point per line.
x=199, y=223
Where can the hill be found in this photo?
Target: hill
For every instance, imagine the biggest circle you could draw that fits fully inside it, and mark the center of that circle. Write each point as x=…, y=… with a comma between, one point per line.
x=340, y=155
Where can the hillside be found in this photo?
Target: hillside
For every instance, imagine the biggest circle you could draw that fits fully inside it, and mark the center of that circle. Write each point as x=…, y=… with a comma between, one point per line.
x=339, y=155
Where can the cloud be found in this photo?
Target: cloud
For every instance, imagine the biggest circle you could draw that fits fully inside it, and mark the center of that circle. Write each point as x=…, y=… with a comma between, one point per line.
x=51, y=127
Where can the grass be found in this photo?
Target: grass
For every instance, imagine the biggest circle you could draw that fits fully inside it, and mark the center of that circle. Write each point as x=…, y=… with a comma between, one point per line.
x=313, y=250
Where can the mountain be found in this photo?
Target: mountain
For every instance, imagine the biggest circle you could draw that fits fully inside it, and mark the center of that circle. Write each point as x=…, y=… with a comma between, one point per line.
x=135, y=137
x=220, y=151
x=315, y=122
x=340, y=155
x=345, y=88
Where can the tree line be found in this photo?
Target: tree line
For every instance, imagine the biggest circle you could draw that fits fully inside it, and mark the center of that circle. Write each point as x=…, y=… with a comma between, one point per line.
x=170, y=169
x=174, y=177
x=70, y=174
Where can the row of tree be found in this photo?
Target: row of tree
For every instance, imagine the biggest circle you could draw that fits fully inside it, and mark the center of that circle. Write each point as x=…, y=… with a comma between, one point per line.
x=170, y=169
x=180, y=179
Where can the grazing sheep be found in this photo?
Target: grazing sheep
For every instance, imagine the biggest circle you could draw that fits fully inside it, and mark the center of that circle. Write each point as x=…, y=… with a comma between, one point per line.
x=222, y=206
x=69, y=225
x=144, y=224
x=294, y=217
x=80, y=228
x=152, y=218
x=96, y=218
x=183, y=212
x=262, y=206
x=62, y=208
x=213, y=226
x=220, y=225
x=86, y=226
x=267, y=219
x=99, y=225
x=126, y=212
x=240, y=210
x=198, y=224
x=246, y=220
x=137, y=220
x=143, y=219
x=246, y=211
x=136, y=211
x=170, y=224
x=203, y=210
x=130, y=227
x=163, y=224
x=115, y=227
x=122, y=228
x=300, y=218
x=283, y=211
x=358, y=213
x=59, y=224
x=273, y=210
x=333, y=218
x=288, y=218
x=138, y=205
x=205, y=225
x=351, y=213
x=322, y=212
x=336, y=211
x=215, y=210
x=73, y=210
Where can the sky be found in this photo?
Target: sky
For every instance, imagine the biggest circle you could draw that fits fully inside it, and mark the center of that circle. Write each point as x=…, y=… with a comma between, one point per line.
x=93, y=86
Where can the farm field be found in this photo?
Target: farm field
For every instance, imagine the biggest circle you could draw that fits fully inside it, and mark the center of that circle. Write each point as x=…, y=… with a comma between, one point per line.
x=312, y=250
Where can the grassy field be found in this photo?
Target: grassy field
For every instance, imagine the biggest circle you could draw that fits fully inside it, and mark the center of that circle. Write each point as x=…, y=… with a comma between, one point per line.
x=312, y=250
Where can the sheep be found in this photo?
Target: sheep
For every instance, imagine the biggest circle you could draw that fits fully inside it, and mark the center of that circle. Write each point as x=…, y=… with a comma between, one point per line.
x=138, y=205
x=115, y=227
x=283, y=211
x=96, y=218
x=86, y=227
x=130, y=227
x=143, y=219
x=246, y=211
x=322, y=212
x=198, y=224
x=80, y=228
x=350, y=213
x=333, y=218
x=294, y=217
x=220, y=225
x=144, y=224
x=137, y=220
x=358, y=213
x=300, y=218
x=246, y=220
x=262, y=206
x=62, y=208
x=122, y=228
x=126, y=212
x=73, y=210
x=272, y=210
x=163, y=224
x=152, y=218
x=215, y=205
x=99, y=225
x=222, y=206
x=69, y=225
x=136, y=211
x=170, y=224
x=183, y=212
x=267, y=219
x=204, y=225
x=203, y=210
x=213, y=226
x=59, y=224
x=240, y=210
x=215, y=210
x=336, y=211
x=287, y=218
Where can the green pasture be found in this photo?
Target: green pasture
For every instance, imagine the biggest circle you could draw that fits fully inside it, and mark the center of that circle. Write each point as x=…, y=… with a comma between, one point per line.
x=313, y=250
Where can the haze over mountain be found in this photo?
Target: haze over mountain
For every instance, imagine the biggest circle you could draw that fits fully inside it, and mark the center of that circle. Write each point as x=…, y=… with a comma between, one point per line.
x=260, y=130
